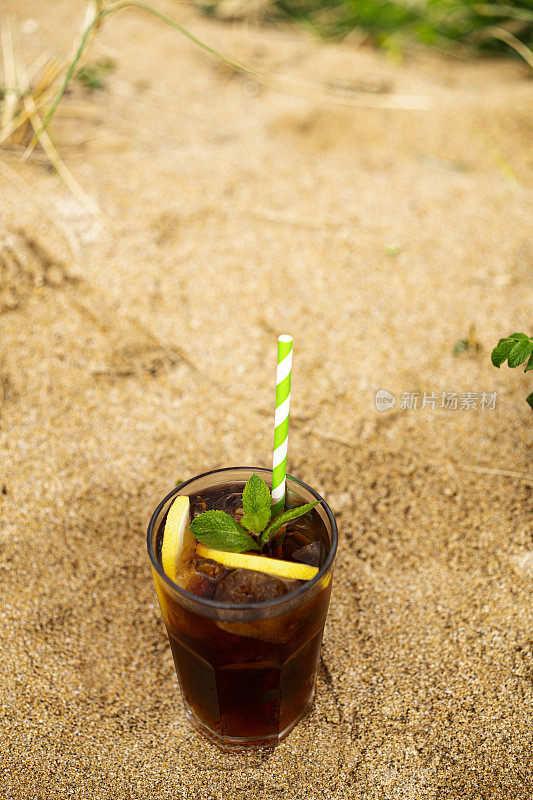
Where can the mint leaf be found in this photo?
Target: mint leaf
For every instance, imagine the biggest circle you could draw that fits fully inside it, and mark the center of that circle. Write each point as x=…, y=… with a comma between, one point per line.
x=529, y=364
x=218, y=530
x=529, y=399
x=521, y=350
x=294, y=513
x=501, y=351
x=256, y=502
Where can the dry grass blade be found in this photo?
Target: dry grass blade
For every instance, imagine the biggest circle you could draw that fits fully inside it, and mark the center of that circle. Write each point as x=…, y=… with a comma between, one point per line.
x=504, y=473
x=287, y=218
x=37, y=65
x=42, y=93
x=93, y=9
x=496, y=32
x=57, y=67
x=54, y=67
x=336, y=96
x=48, y=146
x=21, y=105
x=11, y=96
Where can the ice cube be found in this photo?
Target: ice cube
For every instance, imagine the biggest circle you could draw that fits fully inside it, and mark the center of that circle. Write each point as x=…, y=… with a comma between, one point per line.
x=300, y=525
x=201, y=586
x=205, y=576
x=249, y=586
x=198, y=506
x=230, y=503
x=310, y=554
x=211, y=569
x=293, y=542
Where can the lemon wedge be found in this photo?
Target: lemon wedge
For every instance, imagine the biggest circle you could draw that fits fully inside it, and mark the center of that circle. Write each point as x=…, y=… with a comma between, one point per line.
x=178, y=542
x=272, y=566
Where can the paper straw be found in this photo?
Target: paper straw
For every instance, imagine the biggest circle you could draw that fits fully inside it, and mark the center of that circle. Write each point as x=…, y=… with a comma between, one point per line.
x=281, y=423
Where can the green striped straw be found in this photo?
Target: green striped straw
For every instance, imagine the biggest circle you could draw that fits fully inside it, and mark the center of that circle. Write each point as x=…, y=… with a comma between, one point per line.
x=281, y=423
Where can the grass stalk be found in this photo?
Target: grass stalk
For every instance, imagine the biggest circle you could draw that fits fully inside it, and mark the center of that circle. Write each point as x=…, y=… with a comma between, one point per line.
x=85, y=39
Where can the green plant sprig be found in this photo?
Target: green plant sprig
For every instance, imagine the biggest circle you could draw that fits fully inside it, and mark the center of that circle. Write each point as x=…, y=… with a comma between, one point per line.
x=515, y=349
x=113, y=9
x=220, y=531
x=93, y=75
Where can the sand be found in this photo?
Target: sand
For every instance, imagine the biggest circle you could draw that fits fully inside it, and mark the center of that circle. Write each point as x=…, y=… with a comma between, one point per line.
x=239, y=210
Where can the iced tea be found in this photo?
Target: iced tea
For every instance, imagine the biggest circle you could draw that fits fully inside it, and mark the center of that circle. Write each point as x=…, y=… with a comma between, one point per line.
x=246, y=645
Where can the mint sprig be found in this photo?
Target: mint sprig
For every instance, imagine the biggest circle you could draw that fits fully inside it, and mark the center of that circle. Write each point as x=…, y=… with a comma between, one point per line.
x=515, y=349
x=256, y=502
x=288, y=516
x=220, y=531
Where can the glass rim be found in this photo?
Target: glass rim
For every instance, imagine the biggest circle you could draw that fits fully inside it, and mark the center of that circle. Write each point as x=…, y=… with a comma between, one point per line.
x=264, y=604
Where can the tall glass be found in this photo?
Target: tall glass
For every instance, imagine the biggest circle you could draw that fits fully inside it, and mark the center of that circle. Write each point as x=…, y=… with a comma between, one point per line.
x=246, y=672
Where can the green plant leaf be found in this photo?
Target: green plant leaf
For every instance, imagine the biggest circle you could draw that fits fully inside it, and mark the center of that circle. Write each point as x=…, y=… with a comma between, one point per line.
x=294, y=513
x=521, y=350
x=501, y=351
x=218, y=530
x=529, y=364
x=93, y=75
x=529, y=399
x=257, y=504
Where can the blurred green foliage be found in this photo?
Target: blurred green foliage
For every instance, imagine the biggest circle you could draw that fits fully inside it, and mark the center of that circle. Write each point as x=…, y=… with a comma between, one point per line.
x=490, y=27
x=93, y=75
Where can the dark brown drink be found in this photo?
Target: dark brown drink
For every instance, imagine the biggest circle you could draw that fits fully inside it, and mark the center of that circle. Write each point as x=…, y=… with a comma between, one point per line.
x=246, y=645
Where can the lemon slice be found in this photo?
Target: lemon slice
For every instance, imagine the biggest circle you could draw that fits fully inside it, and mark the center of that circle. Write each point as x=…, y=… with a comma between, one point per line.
x=178, y=542
x=272, y=566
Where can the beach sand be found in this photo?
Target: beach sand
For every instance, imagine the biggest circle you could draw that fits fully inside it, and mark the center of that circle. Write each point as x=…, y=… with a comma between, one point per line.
x=307, y=203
